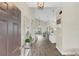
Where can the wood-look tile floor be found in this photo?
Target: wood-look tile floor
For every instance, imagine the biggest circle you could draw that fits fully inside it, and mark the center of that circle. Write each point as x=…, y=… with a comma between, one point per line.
x=44, y=48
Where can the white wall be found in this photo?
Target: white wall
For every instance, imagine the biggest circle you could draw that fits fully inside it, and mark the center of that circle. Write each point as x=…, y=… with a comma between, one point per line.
x=67, y=38
x=70, y=28
x=58, y=31
x=52, y=26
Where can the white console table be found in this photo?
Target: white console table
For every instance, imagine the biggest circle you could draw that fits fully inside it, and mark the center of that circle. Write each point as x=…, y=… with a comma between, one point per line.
x=52, y=38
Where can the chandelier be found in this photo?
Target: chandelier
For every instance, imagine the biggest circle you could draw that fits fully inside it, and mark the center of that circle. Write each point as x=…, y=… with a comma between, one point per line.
x=40, y=4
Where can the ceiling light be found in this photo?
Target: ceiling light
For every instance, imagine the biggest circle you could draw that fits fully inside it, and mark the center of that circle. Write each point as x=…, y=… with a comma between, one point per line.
x=40, y=4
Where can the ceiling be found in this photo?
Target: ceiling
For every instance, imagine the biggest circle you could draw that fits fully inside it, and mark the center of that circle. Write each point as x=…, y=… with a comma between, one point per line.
x=45, y=14
x=46, y=4
x=51, y=4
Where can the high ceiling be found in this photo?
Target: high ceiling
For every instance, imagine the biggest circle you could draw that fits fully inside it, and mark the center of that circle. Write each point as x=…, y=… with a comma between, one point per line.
x=45, y=14
x=51, y=4
x=46, y=4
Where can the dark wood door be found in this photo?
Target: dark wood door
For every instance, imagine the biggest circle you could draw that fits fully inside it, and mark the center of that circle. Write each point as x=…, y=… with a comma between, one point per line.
x=10, y=31
x=14, y=41
x=3, y=37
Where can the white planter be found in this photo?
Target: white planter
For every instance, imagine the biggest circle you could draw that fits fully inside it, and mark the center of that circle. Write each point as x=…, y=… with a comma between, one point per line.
x=52, y=38
x=27, y=45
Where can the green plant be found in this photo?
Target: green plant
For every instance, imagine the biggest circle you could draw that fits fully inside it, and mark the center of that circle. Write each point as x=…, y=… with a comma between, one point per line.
x=29, y=39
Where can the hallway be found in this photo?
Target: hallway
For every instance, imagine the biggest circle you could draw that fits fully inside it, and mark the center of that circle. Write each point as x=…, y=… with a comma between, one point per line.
x=44, y=48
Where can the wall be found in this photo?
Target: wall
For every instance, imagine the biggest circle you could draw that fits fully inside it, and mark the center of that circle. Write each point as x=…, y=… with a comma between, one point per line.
x=70, y=29
x=26, y=17
x=58, y=31
x=52, y=27
x=67, y=34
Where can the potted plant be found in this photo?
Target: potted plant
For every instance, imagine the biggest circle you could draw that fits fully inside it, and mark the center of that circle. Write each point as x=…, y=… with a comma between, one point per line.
x=28, y=42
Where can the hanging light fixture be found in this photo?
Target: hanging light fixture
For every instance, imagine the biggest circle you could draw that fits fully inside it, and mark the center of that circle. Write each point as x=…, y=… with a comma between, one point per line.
x=40, y=4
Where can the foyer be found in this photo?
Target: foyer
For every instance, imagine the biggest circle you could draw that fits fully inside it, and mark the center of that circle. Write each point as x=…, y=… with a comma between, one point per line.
x=39, y=28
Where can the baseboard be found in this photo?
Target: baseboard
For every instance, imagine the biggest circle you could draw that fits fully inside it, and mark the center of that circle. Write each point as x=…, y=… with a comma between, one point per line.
x=59, y=50
x=63, y=53
x=72, y=52
x=69, y=52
